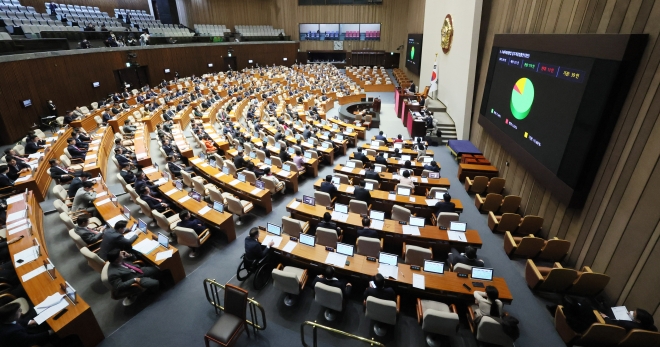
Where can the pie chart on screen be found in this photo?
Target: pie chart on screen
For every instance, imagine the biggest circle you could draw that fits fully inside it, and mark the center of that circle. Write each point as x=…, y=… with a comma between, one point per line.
x=522, y=98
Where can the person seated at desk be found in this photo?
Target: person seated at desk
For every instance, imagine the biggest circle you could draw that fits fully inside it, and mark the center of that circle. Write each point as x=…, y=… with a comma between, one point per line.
x=187, y=221
x=122, y=275
x=278, y=135
x=239, y=160
x=369, y=172
x=327, y=223
x=197, y=112
x=275, y=180
x=126, y=173
x=307, y=133
x=299, y=160
x=209, y=144
x=77, y=183
x=11, y=153
x=445, y=205
x=32, y=146
x=398, y=139
x=151, y=200
x=396, y=154
x=254, y=250
x=87, y=234
x=114, y=238
x=124, y=159
x=381, y=137
x=432, y=166
x=75, y=151
x=467, y=258
x=328, y=278
x=487, y=304
x=421, y=150
x=16, y=168
x=361, y=193
x=405, y=179
x=380, y=159
x=641, y=319
x=378, y=290
x=128, y=128
x=61, y=173
x=68, y=118
x=174, y=168
x=252, y=168
x=17, y=331
x=80, y=140
x=106, y=117
x=124, y=150
x=284, y=155
x=142, y=181
x=328, y=187
x=115, y=109
x=5, y=181
x=360, y=156
x=84, y=198
x=366, y=231
x=162, y=134
x=169, y=149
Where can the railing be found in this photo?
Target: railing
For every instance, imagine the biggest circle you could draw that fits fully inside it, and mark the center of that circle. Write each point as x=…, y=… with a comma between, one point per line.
x=212, y=290
x=316, y=326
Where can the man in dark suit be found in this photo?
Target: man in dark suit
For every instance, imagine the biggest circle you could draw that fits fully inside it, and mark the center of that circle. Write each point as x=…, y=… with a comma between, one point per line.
x=254, y=251
x=123, y=159
x=124, y=149
x=327, y=223
x=80, y=143
x=68, y=118
x=432, y=166
x=106, y=117
x=11, y=153
x=114, y=238
x=32, y=146
x=378, y=290
x=14, y=330
x=360, y=156
x=381, y=137
x=239, y=161
x=126, y=173
x=122, y=274
x=369, y=173
x=77, y=183
x=467, y=258
x=128, y=128
x=5, y=181
x=445, y=205
x=641, y=319
x=380, y=159
x=59, y=172
x=153, y=202
x=361, y=193
x=328, y=278
x=86, y=233
x=307, y=133
x=328, y=187
x=284, y=155
x=75, y=151
x=174, y=168
x=366, y=231
x=16, y=168
x=187, y=221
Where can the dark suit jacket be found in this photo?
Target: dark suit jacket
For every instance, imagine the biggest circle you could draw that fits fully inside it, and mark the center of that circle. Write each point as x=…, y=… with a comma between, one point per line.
x=5, y=181
x=361, y=194
x=380, y=293
x=76, y=152
x=381, y=138
x=174, y=169
x=443, y=206
x=254, y=250
x=367, y=232
x=328, y=225
x=13, y=170
x=360, y=156
x=31, y=148
x=153, y=203
x=284, y=156
x=456, y=257
x=329, y=188
x=87, y=235
x=122, y=159
x=17, y=335
x=239, y=162
x=431, y=168
x=112, y=239
x=194, y=224
x=372, y=175
x=128, y=176
x=74, y=186
x=56, y=172
x=121, y=278
x=381, y=160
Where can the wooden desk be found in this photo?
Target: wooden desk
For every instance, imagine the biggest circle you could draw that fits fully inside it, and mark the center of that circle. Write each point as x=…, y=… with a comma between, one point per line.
x=96, y=160
x=347, y=99
x=79, y=318
x=406, y=143
x=381, y=201
x=472, y=170
x=119, y=119
x=388, y=182
x=181, y=142
x=291, y=181
x=141, y=144
x=108, y=210
x=447, y=284
x=361, y=131
x=403, y=151
x=327, y=153
x=394, y=164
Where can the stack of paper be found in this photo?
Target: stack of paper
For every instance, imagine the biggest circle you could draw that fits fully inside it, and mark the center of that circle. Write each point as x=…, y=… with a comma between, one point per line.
x=388, y=271
x=350, y=189
x=149, y=170
x=196, y=161
x=104, y=201
x=160, y=182
x=146, y=246
x=276, y=240
x=377, y=224
x=219, y=174
x=25, y=256
x=290, y=246
x=410, y=230
x=103, y=193
x=49, y=307
x=456, y=236
x=141, y=156
x=23, y=179
x=391, y=196
x=17, y=223
x=336, y=259
x=346, y=169
x=234, y=182
x=338, y=216
x=16, y=198
x=129, y=234
x=17, y=228
x=412, y=199
x=90, y=164
x=283, y=173
x=164, y=255
x=418, y=281
x=171, y=191
x=204, y=210
x=90, y=156
x=431, y=202
x=425, y=180
x=184, y=199
x=294, y=204
x=621, y=313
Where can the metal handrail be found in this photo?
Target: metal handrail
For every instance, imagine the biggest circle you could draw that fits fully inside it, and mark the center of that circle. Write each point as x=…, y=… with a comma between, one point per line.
x=315, y=325
x=214, y=287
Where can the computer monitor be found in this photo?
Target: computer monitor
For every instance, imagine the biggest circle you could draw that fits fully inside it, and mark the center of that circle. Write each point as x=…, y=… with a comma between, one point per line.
x=126, y=212
x=277, y=145
x=398, y=145
x=308, y=240
x=196, y=196
x=378, y=168
x=225, y=170
x=241, y=177
x=308, y=155
x=202, y=156
x=163, y=240
x=406, y=157
x=428, y=160
x=387, y=258
x=335, y=126
x=212, y=162
x=166, y=176
x=437, y=267
x=341, y=208
x=434, y=175
x=310, y=141
x=142, y=226
x=291, y=150
x=274, y=229
x=373, y=214
x=326, y=145
x=260, y=184
x=482, y=273
x=438, y=195
x=336, y=180
x=345, y=249
x=368, y=186
x=267, y=161
x=309, y=200
x=349, y=130
x=375, y=143
x=350, y=164
x=404, y=191
x=178, y=185
x=417, y=221
x=239, y=148
x=286, y=168
x=156, y=166
x=218, y=206
x=253, y=155
x=326, y=133
x=340, y=137
x=457, y=226
x=298, y=137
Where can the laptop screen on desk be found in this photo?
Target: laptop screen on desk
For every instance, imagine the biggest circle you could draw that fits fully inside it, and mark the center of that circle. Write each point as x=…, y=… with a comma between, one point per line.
x=225, y=170
x=218, y=206
x=457, y=226
x=196, y=196
x=253, y=155
x=368, y=186
x=268, y=161
x=417, y=221
x=438, y=195
x=340, y=137
x=341, y=208
x=406, y=157
x=241, y=177
x=309, y=200
x=274, y=229
x=307, y=240
x=260, y=184
x=127, y=212
x=378, y=168
x=377, y=215
x=434, y=175
x=345, y=249
x=163, y=240
x=387, y=258
x=142, y=226
x=428, y=160
x=480, y=273
x=291, y=150
x=336, y=180
x=398, y=145
x=212, y=162
x=308, y=155
x=178, y=185
x=434, y=266
x=404, y=191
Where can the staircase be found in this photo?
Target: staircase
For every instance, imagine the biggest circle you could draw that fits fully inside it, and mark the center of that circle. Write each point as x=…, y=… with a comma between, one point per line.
x=446, y=125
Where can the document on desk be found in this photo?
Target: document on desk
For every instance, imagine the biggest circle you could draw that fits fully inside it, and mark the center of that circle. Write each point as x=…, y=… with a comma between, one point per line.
x=294, y=204
x=338, y=216
x=35, y=155
x=184, y=199
x=418, y=281
x=219, y=174
x=171, y=191
x=336, y=259
x=276, y=240
x=15, y=198
x=25, y=256
x=350, y=189
x=146, y=246
x=164, y=255
x=395, y=177
x=92, y=164
x=129, y=234
x=374, y=147
x=160, y=182
x=362, y=172
x=621, y=313
x=411, y=199
x=377, y=224
x=149, y=170
x=91, y=156
x=112, y=221
x=103, y=193
x=388, y=271
x=180, y=143
x=431, y=202
x=204, y=165
x=256, y=191
x=410, y=230
x=15, y=216
x=17, y=229
x=282, y=173
x=104, y=201
x=425, y=180
x=391, y=196
x=36, y=272
x=196, y=161
x=93, y=149
x=456, y=236
x=96, y=142
x=141, y=156
x=49, y=307
x=17, y=223
x=346, y=169
x=414, y=179
x=23, y=179
x=290, y=246
x=203, y=210
x=234, y=182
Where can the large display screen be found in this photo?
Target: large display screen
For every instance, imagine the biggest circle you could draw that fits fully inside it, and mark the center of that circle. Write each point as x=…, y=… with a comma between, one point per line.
x=534, y=99
x=414, y=53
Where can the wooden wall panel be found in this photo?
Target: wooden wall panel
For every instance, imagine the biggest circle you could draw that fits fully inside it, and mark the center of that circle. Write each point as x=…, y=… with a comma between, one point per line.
x=618, y=228
x=67, y=80
x=103, y=5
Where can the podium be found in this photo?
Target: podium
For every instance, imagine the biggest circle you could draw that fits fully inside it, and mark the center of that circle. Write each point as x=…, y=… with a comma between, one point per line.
x=415, y=124
x=409, y=106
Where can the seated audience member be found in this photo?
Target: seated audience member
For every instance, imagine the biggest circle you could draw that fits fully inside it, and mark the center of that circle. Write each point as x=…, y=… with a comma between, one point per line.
x=128, y=128
x=274, y=179
x=398, y=139
x=284, y=156
x=405, y=179
x=381, y=137
x=360, y=156
x=328, y=223
x=396, y=154
x=209, y=144
x=641, y=319
x=75, y=151
x=122, y=274
x=175, y=168
x=378, y=290
x=445, y=205
x=487, y=304
x=380, y=159
x=432, y=166
x=299, y=160
x=16, y=168
x=328, y=187
x=252, y=168
x=467, y=258
x=17, y=331
x=366, y=231
x=254, y=250
x=126, y=173
x=187, y=221
x=84, y=198
x=421, y=150
x=328, y=278
x=77, y=183
x=361, y=193
x=369, y=172
x=123, y=159
x=114, y=238
x=87, y=234
x=10, y=152
x=61, y=173
x=153, y=202
x=239, y=160
x=32, y=146
x=142, y=181
x=124, y=150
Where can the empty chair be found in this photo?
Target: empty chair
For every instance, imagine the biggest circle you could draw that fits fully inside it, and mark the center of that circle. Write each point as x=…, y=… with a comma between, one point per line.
x=589, y=283
x=400, y=213
x=327, y=237
x=462, y=268
x=294, y=227
x=553, y=279
x=188, y=237
x=510, y=204
x=375, y=183
x=359, y=207
x=445, y=219
x=343, y=179
x=290, y=280
x=228, y=328
x=358, y=164
x=146, y=210
x=93, y=259
x=216, y=194
x=323, y=199
x=381, y=311
x=495, y=185
x=329, y=297
x=369, y=246
x=477, y=185
x=489, y=331
x=524, y=247
x=492, y=202
x=504, y=223
x=239, y=208
x=415, y=255
x=200, y=186
x=641, y=338
x=555, y=250
x=530, y=225
x=273, y=187
x=437, y=318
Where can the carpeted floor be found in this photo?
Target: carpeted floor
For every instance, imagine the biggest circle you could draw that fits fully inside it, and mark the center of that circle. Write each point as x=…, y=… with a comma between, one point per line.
x=179, y=316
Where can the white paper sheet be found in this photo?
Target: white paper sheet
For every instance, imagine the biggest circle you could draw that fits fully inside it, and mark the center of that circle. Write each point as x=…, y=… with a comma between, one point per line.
x=90, y=156
x=282, y=173
x=146, y=246
x=414, y=179
x=338, y=216
x=621, y=313
x=412, y=199
x=105, y=201
x=17, y=223
x=256, y=191
x=164, y=255
x=141, y=156
x=160, y=182
x=17, y=230
x=219, y=174
x=410, y=230
x=350, y=189
x=418, y=281
x=149, y=170
x=294, y=204
x=391, y=196
x=203, y=210
x=27, y=255
x=336, y=259
x=184, y=199
x=431, y=202
x=112, y=221
x=388, y=271
x=15, y=216
x=103, y=193
x=234, y=182
x=23, y=179
x=92, y=164
x=276, y=239
x=171, y=191
x=425, y=180
x=290, y=246
x=196, y=161
x=456, y=236
x=129, y=234
x=36, y=272
x=49, y=307
x=15, y=198
x=377, y=224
